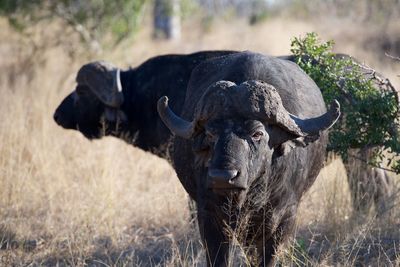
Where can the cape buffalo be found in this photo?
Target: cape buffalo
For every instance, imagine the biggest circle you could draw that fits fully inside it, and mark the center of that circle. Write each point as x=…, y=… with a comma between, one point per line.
x=249, y=143
x=110, y=101
x=101, y=105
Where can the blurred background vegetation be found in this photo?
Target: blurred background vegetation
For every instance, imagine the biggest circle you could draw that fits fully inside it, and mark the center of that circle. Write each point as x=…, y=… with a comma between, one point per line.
x=99, y=21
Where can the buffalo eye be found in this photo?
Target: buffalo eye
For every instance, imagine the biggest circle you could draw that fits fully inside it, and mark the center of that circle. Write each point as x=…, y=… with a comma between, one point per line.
x=256, y=136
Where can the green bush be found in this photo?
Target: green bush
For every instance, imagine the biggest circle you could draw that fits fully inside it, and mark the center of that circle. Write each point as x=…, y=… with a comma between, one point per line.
x=368, y=101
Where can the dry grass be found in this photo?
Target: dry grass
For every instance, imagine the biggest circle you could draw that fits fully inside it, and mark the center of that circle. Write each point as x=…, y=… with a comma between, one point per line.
x=68, y=201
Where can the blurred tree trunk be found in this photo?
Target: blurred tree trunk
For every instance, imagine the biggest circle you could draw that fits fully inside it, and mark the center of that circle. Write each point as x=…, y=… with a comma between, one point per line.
x=368, y=185
x=167, y=22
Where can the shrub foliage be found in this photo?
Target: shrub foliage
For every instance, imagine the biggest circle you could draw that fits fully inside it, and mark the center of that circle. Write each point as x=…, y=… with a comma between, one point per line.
x=369, y=103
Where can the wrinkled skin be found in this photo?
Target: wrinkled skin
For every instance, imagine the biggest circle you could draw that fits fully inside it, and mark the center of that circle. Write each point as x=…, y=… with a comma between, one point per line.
x=136, y=120
x=246, y=174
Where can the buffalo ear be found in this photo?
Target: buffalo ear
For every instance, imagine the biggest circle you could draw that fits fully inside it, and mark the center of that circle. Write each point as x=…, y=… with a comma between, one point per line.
x=283, y=141
x=303, y=141
x=104, y=80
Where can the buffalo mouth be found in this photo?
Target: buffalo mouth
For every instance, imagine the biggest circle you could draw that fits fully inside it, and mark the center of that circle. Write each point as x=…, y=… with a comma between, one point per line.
x=225, y=188
x=91, y=132
x=225, y=181
x=66, y=123
x=227, y=191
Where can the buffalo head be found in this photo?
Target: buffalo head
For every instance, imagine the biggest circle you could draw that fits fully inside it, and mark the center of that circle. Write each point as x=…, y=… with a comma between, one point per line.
x=96, y=99
x=237, y=130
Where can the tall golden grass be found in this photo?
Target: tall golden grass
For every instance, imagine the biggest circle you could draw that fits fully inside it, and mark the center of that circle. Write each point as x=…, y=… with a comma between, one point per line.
x=68, y=201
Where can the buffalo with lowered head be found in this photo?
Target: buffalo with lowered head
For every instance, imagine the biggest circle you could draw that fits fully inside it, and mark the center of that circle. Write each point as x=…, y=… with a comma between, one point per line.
x=108, y=101
x=249, y=143
x=122, y=103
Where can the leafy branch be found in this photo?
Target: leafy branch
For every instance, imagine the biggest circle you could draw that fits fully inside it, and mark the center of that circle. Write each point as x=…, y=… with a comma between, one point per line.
x=369, y=102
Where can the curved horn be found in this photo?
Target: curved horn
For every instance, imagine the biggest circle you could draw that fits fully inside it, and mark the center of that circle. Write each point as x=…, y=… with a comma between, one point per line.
x=104, y=81
x=315, y=125
x=118, y=96
x=177, y=125
x=263, y=100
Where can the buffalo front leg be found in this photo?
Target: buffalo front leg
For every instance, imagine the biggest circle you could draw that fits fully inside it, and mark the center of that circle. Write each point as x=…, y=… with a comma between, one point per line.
x=268, y=242
x=214, y=240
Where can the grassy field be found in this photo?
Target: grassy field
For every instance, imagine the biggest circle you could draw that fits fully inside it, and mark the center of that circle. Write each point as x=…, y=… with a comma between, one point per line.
x=66, y=201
